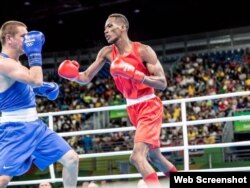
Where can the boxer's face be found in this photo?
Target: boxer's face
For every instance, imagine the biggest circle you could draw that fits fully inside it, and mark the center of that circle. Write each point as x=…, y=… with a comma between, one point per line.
x=112, y=30
x=16, y=41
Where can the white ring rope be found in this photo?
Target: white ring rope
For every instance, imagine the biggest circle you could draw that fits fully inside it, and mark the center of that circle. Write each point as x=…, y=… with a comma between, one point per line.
x=177, y=124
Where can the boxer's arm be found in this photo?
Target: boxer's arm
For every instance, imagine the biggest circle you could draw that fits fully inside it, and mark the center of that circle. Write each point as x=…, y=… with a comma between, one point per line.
x=157, y=78
x=84, y=77
x=16, y=71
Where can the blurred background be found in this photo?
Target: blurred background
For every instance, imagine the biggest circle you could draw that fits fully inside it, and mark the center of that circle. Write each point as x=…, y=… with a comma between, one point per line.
x=70, y=24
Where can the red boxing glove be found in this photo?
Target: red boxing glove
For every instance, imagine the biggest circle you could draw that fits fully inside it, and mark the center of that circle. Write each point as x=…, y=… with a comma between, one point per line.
x=121, y=68
x=69, y=69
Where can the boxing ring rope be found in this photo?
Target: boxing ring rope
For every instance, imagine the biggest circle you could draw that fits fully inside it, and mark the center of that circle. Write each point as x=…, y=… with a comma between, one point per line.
x=184, y=123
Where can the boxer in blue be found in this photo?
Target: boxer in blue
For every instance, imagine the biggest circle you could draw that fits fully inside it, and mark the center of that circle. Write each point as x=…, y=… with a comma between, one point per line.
x=24, y=138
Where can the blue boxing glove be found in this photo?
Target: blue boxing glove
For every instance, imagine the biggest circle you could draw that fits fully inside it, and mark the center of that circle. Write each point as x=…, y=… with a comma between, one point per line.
x=49, y=90
x=32, y=46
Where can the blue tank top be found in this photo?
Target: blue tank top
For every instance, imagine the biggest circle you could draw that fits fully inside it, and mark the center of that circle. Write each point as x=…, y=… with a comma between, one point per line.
x=16, y=97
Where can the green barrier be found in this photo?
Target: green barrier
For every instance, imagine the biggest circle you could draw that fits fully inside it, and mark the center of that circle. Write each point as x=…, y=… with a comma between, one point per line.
x=118, y=113
x=241, y=125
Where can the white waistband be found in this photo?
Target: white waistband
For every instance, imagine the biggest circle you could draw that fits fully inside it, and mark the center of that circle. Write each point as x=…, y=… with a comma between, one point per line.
x=141, y=99
x=29, y=114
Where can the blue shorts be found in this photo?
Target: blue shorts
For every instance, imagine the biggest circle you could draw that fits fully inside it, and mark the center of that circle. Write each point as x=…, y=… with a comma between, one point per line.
x=24, y=143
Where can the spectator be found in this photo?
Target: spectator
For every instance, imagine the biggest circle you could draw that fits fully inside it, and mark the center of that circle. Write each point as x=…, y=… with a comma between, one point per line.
x=85, y=184
x=87, y=144
x=44, y=185
x=93, y=185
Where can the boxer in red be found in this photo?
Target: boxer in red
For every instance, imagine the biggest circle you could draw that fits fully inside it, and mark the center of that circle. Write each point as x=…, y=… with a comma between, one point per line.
x=137, y=72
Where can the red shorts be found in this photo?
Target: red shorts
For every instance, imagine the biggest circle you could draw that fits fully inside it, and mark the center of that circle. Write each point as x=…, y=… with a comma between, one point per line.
x=147, y=116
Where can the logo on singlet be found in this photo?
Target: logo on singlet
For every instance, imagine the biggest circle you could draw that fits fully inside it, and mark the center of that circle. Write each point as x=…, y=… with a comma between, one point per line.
x=7, y=167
